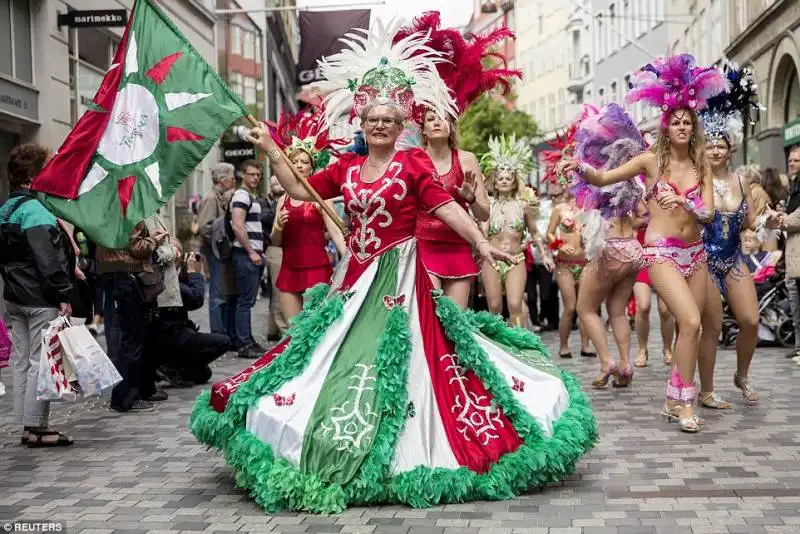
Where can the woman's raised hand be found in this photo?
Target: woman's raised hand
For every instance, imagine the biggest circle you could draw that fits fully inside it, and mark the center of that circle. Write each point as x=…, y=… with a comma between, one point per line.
x=567, y=165
x=260, y=138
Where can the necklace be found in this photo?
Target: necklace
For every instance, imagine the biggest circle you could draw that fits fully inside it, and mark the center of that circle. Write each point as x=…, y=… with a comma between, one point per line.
x=721, y=187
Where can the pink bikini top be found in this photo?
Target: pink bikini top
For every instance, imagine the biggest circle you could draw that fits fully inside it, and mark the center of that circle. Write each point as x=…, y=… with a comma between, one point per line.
x=663, y=184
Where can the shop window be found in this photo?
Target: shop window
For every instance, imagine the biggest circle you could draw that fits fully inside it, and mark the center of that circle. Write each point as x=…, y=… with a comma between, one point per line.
x=16, y=50
x=249, y=90
x=90, y=54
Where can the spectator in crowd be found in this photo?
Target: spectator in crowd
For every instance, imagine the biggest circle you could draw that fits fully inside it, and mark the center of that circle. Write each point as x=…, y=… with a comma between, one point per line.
x=791, y=225
x=276, y=323
x=187, y=352
x=751, y=175
x=248, y=256
x=211, y=209
x=131, y=280
x=36, y=276
x=773, y=185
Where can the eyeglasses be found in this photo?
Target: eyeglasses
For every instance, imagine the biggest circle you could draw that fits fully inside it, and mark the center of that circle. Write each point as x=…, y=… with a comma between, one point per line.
x=388, y=121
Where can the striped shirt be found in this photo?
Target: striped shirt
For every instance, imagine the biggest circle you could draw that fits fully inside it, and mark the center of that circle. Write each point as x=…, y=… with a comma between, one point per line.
x=252, y=220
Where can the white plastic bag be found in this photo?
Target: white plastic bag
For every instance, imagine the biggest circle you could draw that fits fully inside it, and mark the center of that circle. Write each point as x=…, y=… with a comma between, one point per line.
x=56, y=380
x=94, y=370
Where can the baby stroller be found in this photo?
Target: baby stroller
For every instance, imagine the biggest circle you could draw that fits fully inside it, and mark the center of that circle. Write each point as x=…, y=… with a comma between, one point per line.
x=775, y=326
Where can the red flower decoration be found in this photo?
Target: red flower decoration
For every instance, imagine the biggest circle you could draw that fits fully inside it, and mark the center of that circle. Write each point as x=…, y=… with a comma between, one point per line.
x=556, y=244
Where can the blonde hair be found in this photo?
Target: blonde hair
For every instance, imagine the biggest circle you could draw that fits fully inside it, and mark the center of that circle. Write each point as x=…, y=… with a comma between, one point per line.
x=750, y=174
x=489, y=184
x=697, y=152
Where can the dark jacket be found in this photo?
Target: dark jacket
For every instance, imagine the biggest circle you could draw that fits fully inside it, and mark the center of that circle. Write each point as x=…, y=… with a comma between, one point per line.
x=794, y=195
x=193, y=288
x=33, y=258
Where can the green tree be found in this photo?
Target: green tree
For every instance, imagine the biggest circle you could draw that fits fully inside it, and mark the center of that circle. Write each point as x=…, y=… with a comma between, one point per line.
x=489, y=117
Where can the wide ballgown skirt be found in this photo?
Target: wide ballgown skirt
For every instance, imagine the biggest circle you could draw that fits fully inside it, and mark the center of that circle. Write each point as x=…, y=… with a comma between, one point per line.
x=386, y=392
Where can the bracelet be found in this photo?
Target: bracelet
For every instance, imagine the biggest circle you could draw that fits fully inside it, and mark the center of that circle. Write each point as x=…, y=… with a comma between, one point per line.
x=274, y=154
x=581, y=170
x=277, y=227
x=481, y=242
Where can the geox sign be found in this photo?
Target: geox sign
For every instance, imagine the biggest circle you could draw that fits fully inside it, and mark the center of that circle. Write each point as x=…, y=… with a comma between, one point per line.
x=93, y=18
x=320, y=32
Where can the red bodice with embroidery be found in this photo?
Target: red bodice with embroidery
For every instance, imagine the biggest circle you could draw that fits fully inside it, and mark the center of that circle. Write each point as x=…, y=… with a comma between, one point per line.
x=383, y=213
x=431, y=228
x=304, y=236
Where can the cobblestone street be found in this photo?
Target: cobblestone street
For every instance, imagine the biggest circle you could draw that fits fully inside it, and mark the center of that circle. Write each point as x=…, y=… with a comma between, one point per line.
x=147, y=473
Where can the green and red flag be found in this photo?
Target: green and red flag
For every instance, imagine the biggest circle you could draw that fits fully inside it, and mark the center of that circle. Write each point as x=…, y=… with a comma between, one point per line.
x=159, y=110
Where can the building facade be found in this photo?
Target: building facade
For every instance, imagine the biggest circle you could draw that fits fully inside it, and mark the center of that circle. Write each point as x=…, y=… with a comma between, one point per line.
x=765, y=35
x=48, y=74
x=628, y=34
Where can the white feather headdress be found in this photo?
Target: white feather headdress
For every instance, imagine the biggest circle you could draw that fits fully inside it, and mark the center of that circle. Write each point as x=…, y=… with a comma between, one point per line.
x=372, y=68
x=508, y=154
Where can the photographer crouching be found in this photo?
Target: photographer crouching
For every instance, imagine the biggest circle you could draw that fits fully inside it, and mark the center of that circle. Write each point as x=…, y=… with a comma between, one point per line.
x=185, y=352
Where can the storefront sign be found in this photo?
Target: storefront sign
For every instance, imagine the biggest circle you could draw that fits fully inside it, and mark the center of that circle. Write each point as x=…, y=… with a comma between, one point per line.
x=93, y=18
x=320, y=32
x=791, y=133
x=18, y=100
x=237, y=151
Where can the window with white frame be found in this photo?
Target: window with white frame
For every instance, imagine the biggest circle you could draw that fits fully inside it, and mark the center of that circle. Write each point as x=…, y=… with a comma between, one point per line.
x=16, y=46
x=236, y=40
x=249, y=45
x=249, y=90
x=613, y=90
x=551, y=111
x=741, y=15
x=612, y=24
x=562, y=107
x=601, y=93
x=236, y=84
x=601, y=35
x=91, y=51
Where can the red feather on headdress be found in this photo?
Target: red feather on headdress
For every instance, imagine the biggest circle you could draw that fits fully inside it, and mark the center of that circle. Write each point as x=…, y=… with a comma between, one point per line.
x=464, y=73
x=303, y=127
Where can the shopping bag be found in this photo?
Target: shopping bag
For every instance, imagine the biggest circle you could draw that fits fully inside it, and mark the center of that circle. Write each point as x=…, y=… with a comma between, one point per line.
x=93, y=369
x=56, y=380
x=5, y=345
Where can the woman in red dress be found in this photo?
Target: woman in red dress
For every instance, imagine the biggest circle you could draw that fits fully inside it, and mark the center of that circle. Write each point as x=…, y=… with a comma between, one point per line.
x=447, y=257
x=300, y=226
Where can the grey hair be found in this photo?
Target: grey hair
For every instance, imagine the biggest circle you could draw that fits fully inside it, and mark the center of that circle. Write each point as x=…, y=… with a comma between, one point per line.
x=221, y=170
x=399, y=112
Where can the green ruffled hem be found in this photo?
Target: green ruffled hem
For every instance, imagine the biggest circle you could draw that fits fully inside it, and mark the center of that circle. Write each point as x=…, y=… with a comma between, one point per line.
x=277, y=485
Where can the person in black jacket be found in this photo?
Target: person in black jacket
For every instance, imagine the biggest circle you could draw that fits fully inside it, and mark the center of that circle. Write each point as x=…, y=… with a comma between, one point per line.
x=37, y=288
x=187, y=352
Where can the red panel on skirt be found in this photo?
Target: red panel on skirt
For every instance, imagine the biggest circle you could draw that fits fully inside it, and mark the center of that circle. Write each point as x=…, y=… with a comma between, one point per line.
x=447, y=260
x=644, y=276
x=298, y=280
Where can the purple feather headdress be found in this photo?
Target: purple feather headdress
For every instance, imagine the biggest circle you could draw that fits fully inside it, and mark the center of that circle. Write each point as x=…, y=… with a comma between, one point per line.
x=676, y=83
x=606, y=141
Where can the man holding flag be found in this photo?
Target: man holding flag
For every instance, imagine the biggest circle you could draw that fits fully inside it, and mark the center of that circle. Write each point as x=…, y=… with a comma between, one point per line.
x=159, y=110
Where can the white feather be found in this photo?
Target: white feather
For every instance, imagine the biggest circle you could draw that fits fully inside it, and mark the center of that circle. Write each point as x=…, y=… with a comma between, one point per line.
x=594, y=234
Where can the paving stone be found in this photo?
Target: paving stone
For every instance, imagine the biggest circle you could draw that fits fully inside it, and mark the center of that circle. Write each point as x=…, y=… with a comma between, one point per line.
x=146, y=472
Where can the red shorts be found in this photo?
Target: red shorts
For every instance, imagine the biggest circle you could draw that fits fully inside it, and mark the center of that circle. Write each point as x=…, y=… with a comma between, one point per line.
x=644, y=276
x=298, y=280
x=445, y=259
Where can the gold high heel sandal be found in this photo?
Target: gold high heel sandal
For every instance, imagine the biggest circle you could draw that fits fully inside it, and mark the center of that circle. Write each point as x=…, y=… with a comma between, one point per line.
x=689, y=424
x=711, y=400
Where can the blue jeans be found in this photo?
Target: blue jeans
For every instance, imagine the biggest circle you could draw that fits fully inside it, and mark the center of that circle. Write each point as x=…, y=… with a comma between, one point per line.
x=216, y=302
x=247, y=278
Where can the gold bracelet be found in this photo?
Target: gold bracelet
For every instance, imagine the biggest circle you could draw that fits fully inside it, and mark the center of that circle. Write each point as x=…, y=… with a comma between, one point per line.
x=274, y=154
x=277, y=228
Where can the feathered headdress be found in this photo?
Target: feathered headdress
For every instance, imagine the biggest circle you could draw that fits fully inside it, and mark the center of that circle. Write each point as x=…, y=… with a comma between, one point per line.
x=306, y=132
x=375, y=68
x=508, y=154
x=606, y=140
x=563, y=147
x=676, y=83
x=465, y=72
x=726, y=113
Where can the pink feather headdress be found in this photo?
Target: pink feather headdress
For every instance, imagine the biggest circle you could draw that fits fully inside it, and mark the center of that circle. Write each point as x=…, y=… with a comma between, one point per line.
x=564, y=146
x=676, y=83
x=464, y=71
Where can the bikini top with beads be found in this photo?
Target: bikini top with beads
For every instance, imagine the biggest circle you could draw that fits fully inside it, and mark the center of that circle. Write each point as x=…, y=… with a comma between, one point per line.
x=499, y=220
x=665, y=184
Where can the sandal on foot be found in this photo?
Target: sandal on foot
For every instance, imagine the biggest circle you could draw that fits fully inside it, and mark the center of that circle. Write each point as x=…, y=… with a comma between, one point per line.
x=667, y=357
x=36, y=439
x=641, y=358
x=588, y=354
x=623, y=378
x=565, y=355
x=711, y=400
x=748, y=392
x=602, y=379
x=687, y=424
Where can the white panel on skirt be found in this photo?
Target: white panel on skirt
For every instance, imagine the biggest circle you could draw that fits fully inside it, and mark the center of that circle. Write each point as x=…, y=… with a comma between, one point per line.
x=423, y=441
x=541, y=394
x=283, y=427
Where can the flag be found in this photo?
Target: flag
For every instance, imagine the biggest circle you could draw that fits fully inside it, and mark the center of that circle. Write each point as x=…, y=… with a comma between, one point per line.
x=159, y=110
